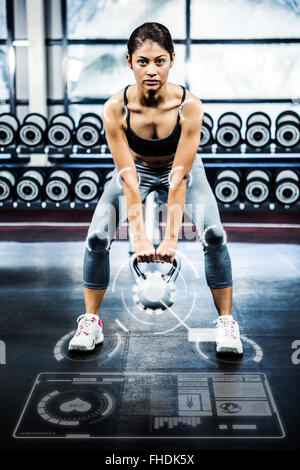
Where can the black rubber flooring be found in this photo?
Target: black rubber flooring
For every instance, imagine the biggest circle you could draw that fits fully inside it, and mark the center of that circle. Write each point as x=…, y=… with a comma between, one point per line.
x=148, y=386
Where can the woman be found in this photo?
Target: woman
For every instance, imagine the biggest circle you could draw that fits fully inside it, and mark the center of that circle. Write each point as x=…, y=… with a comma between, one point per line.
x=153, y=131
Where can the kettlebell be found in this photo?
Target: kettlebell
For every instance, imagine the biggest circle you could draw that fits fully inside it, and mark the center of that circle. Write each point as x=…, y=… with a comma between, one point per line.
x=153, y=288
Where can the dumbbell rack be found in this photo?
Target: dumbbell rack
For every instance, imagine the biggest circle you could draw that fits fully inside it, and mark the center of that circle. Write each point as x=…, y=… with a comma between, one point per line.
x=213, y=157
x=243, y=156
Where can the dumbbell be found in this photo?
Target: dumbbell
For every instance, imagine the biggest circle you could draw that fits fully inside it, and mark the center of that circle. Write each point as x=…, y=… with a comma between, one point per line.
x=287, y=186
x=257, y=185
x=228, y=134
x=32, y=130
x=9, y=126
x=287, y=132
x=258, y=129
x=58, y=186
x=206, y=130
x=227, y=186
x=29, y=186
x=88, y=132
x=60, y=131
x=7, y=183
x=87, y=185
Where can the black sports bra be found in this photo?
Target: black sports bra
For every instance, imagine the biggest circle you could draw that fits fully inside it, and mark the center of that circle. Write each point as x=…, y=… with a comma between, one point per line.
x=153, y=147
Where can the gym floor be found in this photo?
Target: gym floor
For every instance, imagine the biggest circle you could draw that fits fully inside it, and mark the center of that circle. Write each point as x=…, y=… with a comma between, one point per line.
x=149, y=385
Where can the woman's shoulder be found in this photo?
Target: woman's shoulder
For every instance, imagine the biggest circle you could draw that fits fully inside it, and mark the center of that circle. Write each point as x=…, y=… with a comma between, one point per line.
x=115, y=100
x=188, y=98
x=191, y=98
x=192, y=105
x=114, y=106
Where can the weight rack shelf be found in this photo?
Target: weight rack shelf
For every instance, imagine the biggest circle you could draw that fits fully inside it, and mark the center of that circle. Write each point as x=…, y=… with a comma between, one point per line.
x=99, y=157
x=271, y=205
x=102, y=152
x=105, y=160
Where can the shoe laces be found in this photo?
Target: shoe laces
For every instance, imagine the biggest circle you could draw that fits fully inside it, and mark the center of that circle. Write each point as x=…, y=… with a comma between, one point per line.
x=84, y=324
x=227, y=324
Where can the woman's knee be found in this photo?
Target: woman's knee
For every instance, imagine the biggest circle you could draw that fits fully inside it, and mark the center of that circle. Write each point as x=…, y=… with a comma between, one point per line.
x=102, y=229
x=214, y=236
x=98, y=242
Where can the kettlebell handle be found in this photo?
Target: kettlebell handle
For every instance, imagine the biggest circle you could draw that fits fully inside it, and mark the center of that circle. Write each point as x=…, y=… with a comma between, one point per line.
x=135, y=270
x=138, y=274
x=174, y=271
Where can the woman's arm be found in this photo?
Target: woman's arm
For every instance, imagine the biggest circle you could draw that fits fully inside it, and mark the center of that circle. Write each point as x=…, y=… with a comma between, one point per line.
x=117, y=142
x=192, y=117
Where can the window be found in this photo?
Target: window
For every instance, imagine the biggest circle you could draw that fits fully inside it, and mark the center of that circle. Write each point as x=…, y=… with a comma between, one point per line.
x=4, y=63
x=244, y=70
x=4, y=78
x=3, y=27
x=243, y=52
x=116, y=19
x=243, y=19
x=100, y=71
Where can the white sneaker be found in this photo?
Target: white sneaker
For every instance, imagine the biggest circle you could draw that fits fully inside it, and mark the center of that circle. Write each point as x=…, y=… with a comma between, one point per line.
x=228, y=335
x=88, y=333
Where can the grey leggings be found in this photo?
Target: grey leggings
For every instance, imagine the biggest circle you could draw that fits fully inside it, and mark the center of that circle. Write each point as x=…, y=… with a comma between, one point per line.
x=200, y=206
